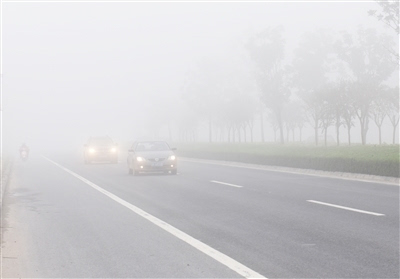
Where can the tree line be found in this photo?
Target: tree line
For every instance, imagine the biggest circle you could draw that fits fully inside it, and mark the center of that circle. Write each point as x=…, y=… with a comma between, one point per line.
x=331, y=80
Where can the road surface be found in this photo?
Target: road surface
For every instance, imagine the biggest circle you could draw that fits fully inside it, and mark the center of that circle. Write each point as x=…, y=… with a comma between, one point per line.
x=62, y=218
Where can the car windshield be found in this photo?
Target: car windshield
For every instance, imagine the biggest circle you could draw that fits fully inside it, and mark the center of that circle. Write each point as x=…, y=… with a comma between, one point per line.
x=100, y=141
x=151, y=146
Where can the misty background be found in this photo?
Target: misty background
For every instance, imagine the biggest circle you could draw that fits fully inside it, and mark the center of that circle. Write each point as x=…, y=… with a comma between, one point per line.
x=171, y=70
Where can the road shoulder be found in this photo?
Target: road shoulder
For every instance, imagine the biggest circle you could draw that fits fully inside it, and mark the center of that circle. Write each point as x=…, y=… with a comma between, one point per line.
x=329, y=174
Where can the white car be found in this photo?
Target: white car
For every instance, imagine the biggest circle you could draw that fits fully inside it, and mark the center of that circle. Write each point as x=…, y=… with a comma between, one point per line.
x=151, y=156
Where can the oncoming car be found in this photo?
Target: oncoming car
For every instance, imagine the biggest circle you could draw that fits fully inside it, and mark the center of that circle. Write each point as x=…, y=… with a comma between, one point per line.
x=151, y=156
x=100, y=149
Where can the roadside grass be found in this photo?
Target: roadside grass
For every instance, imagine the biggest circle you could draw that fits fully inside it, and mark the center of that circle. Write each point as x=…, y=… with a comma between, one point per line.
x=366, y=159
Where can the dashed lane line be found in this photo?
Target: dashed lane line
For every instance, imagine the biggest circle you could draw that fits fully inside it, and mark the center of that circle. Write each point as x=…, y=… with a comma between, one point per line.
x=224, y=183
x=347, y=208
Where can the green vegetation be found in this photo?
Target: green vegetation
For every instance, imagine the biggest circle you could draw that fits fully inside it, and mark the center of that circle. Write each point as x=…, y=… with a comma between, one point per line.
x=367, y=159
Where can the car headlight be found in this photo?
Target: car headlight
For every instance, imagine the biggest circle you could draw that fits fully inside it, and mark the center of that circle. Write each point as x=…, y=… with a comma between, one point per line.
x=139, y=159
x=113, y=150
x=172, y=158
x=92, y=150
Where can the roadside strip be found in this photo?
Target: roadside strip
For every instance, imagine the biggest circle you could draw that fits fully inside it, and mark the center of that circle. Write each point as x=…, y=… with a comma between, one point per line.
x=347, y=208
x=209, y=251
x=318, y=173
x=228, y=184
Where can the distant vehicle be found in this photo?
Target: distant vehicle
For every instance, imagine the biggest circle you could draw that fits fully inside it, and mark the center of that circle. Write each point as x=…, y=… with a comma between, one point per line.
x=100, y=149
x=24, y=152
x=151, y=156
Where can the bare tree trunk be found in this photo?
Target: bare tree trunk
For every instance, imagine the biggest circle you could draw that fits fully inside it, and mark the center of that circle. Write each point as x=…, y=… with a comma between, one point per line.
x=395, y=122
x=280, y=122
x=394, y=132
x=300, y=133
x=380, y=134
x=337, y=128
x=287, y=134
x=364, y=129
x=337, y=135
x=348, y=133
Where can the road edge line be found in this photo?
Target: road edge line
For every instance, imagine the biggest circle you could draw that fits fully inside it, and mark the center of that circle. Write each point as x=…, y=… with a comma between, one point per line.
x=202, y=247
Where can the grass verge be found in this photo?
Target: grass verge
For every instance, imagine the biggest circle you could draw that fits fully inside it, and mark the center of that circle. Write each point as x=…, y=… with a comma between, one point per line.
x=366, y=159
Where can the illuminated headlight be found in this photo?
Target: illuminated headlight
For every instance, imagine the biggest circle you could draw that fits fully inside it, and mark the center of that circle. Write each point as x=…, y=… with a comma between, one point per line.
x=113, y=150
x=139, y=159
x=172, y=157
x=92, y=150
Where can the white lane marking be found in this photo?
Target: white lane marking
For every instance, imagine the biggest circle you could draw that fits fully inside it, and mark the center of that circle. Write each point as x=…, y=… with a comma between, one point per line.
x=228, y=184
x=208, y=250
x=347, y=208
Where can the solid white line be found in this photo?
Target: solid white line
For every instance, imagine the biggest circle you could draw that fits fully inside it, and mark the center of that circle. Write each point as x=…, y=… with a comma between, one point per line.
x=347, y=208
x=223, y=183
x=215, y=254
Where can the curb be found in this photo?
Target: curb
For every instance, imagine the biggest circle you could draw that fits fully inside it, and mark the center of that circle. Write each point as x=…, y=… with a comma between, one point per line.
x=328, y=174
x=5, y=177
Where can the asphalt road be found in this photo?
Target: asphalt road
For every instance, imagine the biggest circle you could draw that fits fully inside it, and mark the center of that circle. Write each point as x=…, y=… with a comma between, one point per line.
x=62, y=218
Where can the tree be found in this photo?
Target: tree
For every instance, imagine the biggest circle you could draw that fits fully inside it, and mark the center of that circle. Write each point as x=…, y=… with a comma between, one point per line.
x=348, y=116
x=267, y=51
x=327, y=118
x=337, y=109
x=311, y=65
x=202, y=88
x=393, y=112
x=389, y=14
x=379, y=107
x=293, y=118
x=370, y=64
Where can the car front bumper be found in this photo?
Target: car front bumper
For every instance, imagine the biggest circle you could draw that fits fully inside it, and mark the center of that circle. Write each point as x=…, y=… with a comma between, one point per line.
x=155, y=166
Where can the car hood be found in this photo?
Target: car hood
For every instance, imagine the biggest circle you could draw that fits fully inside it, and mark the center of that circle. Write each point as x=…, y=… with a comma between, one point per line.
x=154, y=154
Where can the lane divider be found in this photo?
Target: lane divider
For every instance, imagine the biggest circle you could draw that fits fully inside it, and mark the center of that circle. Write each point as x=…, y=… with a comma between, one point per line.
x=228, y=184
x=347, y=208
x=202, y=247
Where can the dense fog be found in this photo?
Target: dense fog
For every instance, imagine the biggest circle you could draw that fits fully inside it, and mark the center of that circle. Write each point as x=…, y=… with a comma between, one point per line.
x=173, y=70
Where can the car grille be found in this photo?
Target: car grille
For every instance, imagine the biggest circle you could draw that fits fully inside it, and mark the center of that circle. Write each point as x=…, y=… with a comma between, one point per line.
x=154, y=159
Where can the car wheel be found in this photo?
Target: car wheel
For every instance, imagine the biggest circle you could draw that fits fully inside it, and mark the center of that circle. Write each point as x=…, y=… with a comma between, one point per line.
x=174, y=171
x=130, y=171
x=135, y=172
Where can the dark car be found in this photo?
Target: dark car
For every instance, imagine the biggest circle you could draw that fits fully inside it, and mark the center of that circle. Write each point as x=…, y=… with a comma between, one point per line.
x=100, y=149
x=152, y=156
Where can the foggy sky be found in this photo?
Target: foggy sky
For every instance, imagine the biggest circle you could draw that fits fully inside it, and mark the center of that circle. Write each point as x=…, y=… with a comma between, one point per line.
x=72, y=70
